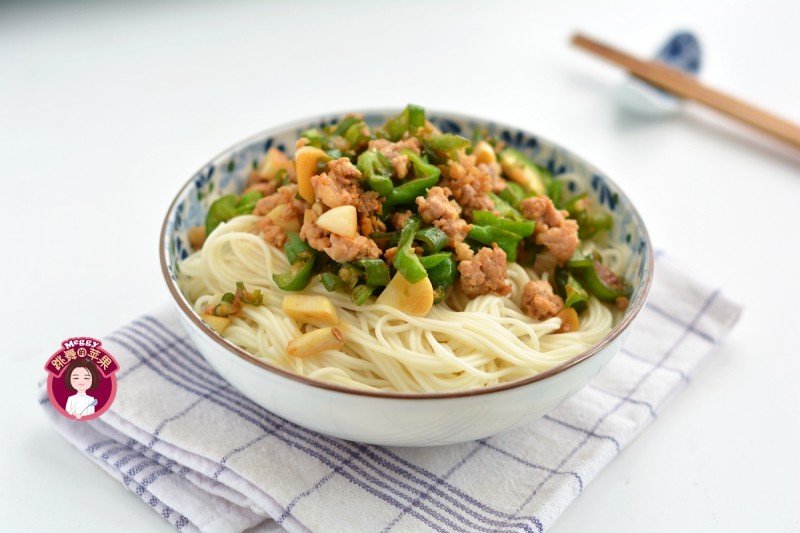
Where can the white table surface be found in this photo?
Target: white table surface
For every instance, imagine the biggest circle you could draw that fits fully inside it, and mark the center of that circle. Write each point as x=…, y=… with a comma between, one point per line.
x=106, y=109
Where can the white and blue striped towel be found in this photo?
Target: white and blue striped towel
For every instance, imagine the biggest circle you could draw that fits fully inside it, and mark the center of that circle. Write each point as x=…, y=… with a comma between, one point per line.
x=206, y=458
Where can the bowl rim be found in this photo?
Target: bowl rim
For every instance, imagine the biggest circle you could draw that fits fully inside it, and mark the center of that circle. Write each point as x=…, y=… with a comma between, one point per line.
x=633, y=310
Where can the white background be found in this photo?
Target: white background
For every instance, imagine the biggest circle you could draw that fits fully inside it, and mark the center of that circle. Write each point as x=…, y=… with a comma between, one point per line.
x=106, y=109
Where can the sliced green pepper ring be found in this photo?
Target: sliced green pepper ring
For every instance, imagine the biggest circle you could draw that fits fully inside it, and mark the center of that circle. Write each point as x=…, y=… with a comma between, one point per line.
x=604, y=284
x=298, y=277
x=405, y=260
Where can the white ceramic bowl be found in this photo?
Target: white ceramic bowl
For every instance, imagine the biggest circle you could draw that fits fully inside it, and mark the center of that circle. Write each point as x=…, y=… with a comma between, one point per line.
x=400, y=419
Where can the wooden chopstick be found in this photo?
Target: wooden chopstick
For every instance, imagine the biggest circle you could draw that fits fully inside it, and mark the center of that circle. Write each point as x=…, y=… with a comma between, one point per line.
x=678, y=83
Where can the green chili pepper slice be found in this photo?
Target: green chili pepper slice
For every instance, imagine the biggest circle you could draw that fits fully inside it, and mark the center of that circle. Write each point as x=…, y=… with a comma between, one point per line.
x=527, y=252
x=422, y=169
x=416, y=118
x=523, y=228
x=427, y=176
x=229, y=206
x=314, y=138
x=296, y=248
x=571, y=290
x=331, y=281
x=226, y=306
x=395, y=128
x=513, y=194
x=504, y=208
x=412, y=118
x=554, y=190
x=578, y=208
x=604, y=284
x=588, y=224
x=519, y=167
x=409, y=191
x=595, y=224
x=357, y=135
x=222, y=210
x=442, y=147
x=430, y=261
x=224, y=309
x=390, y=238
x=376, y=171
x=578, y=260
x=444, y=273
x=297, y=279
x=281, y=177
x=439, y=294
x=350, y=275
x=345, y=124
x=360, y=294
x=432, y=238
x=505, y=239
x=376, y=272
x=250, y=298
x=248, y=202
x=406, y=261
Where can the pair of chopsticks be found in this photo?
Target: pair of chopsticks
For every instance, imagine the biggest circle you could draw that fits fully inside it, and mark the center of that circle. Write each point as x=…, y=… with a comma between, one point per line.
x=680, y=84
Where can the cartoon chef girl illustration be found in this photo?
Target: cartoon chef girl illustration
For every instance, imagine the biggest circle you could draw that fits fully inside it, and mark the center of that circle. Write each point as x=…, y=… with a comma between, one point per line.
x=81, y=376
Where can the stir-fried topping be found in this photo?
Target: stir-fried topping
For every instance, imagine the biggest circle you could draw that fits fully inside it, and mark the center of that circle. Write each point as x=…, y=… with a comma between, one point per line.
x=232, y=302
x=405, y=213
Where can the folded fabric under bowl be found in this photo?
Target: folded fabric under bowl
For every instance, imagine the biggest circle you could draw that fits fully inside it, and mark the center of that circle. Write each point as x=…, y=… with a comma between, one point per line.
x=205, y=457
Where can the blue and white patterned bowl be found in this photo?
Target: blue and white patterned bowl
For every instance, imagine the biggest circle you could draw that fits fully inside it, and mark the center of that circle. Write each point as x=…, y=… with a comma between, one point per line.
x=401, y=419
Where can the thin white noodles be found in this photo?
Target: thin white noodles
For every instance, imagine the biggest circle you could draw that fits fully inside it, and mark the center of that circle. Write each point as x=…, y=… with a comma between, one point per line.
x=460, y=344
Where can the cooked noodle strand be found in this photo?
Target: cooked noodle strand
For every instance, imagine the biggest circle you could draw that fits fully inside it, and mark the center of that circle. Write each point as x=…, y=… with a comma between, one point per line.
x=460, y=344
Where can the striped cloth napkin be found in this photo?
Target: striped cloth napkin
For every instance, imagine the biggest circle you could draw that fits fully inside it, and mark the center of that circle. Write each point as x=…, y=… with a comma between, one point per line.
x=206, y=458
